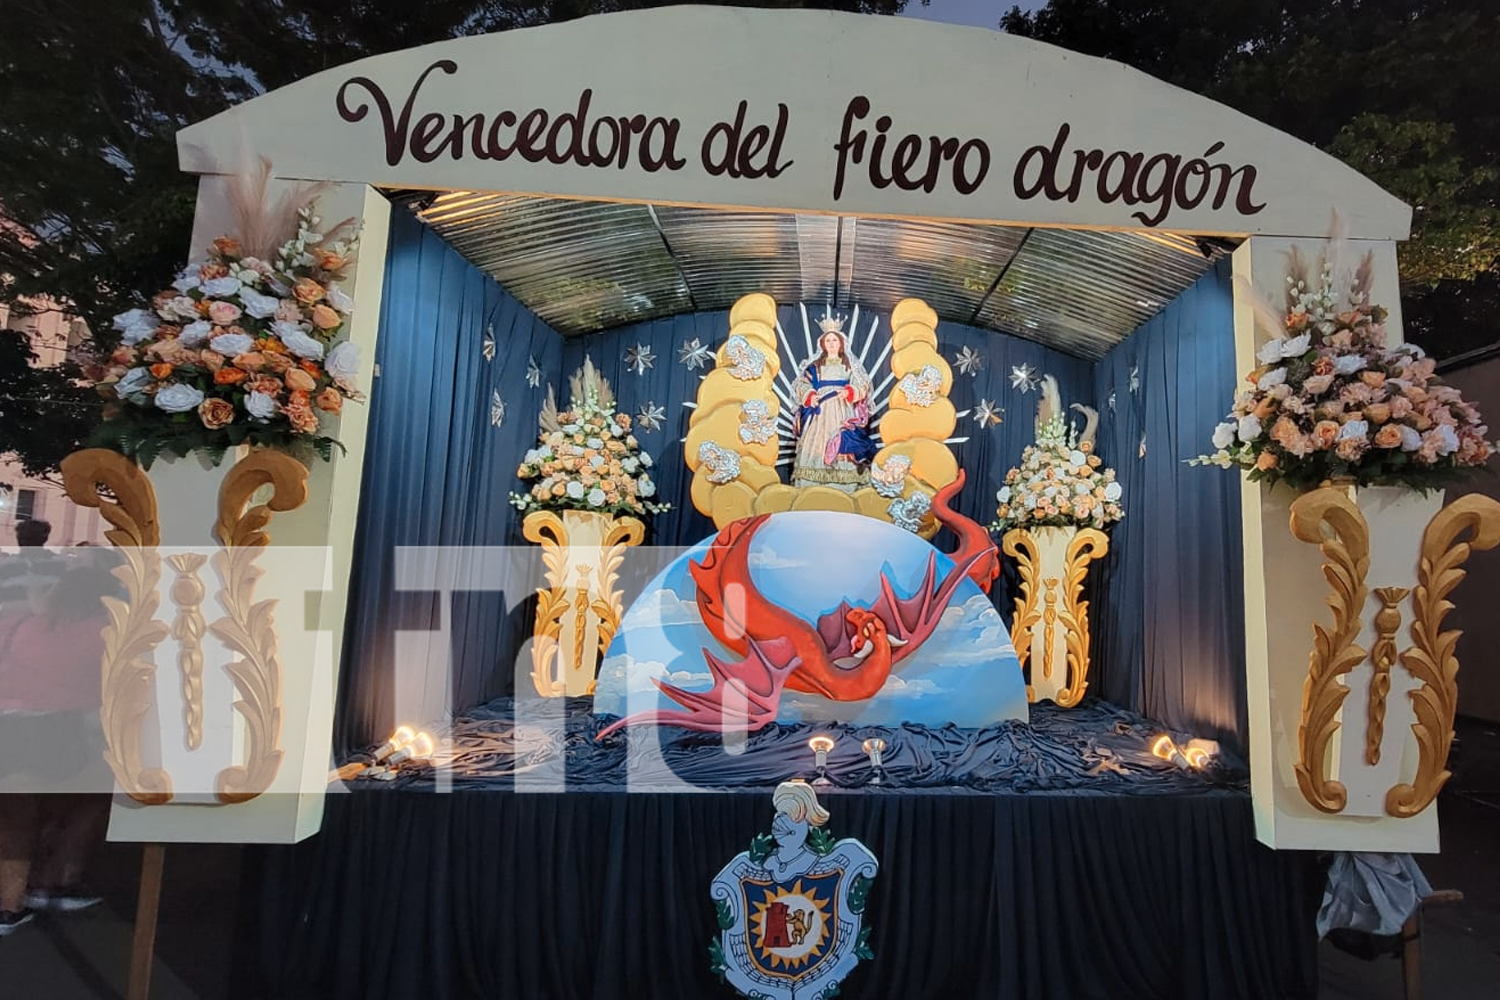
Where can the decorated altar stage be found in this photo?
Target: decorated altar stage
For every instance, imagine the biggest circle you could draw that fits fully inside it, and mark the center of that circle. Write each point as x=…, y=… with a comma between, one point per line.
x=1008, y=869
x=696, y=492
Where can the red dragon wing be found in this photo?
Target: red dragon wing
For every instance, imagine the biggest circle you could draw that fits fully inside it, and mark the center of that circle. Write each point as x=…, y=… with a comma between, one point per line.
x=722, y=577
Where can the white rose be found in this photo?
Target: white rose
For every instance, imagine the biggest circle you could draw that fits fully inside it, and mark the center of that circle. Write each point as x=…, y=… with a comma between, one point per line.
x=1348, y=364
x=258, y=305
x=195, y=333
x=1275, y=376
x=594, y=442
x=1004, y=495
x=182, y=307
x=187, y=280
x=1447, y=439
x=1083, y=488
x=1077, y=458
x=596, y=497
x=645, y=460
x=597, y=461
x=1249, y=428
x=1029, y=500
x=178, y=398
x=343, y=361
x=230, y=344
x=135, y=381
x=260, y=406
x=1112, y=492
x=645, y=487
x=133, y=317
x=1224, y=434
x=1411, y=439
x=1296, y=346
x=1270, y=351
x=340, y=301
x=575, y=490
x=630, y=465
x=1354, y=430
x=298, y=342
x=220, y=288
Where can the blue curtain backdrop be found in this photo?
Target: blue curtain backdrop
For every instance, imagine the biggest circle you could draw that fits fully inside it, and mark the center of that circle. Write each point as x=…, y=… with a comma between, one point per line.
x=437, y=473
x=1167, y=602
x=1169, y=599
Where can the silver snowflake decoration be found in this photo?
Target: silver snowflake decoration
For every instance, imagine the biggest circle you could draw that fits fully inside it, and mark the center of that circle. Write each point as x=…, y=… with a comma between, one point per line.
x=497, y=409
x=694, y=355
x=1111, y=401
x=639, y=358
x=910, y=513
x=488, y=347
x=969, y=362
x=533, y=373
x=987, y=414
x=1024, y=378
x=1142, y=453
x=1135, y=378
x=651, y=417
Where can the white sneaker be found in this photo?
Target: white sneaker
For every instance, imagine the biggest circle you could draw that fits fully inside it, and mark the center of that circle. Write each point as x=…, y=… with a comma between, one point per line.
x=68, y=900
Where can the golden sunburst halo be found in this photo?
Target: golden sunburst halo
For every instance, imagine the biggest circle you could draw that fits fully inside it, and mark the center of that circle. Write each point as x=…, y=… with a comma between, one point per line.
x=807, y=926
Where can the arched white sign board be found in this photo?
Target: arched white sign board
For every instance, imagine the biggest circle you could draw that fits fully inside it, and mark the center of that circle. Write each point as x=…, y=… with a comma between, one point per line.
x=809, y=111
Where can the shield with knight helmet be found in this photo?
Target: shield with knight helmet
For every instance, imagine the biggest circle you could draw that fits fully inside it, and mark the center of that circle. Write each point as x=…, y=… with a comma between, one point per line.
x=791, y=908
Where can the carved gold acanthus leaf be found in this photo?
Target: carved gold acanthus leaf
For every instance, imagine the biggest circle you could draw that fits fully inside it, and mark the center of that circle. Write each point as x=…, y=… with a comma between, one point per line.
x=1382, y=656
x=128, y=672
x=248, y=626
x=1431, y=660
x=1021, y=546
x=1346, y=549
x=188, y=628
x=1089, y=544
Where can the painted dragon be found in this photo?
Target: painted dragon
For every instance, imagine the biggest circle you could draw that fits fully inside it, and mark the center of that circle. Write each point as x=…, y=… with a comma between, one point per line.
x=847, y=656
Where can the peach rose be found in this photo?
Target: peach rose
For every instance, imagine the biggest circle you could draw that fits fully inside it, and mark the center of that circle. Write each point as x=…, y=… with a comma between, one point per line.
x=288, y=312
x=307, y=291
x=1266, y=461
x=329, y=400
x=123, y=356
x=328, y=260
x=215, y=413
x=1378, y=413
x=1324, y=433
x=302, y=418
x=278, y=363
x=270, y=345
x=223, y=313
x=209, y=272
x=300, y=380
x=226, y=246
x=212, y=360
x=1350, y=449
x=229, y=376
x=265, y=384
x=250, y=361
x=1388, y=436
x=161, y=370
x=325, y=318
x=1264, y=408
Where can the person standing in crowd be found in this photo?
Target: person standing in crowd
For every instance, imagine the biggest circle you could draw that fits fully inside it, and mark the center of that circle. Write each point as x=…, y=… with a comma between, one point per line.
x=32, y=568
x=54, y=784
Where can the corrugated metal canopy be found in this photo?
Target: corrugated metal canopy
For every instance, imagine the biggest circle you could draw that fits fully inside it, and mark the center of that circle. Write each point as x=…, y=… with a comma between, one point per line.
x=584, y=266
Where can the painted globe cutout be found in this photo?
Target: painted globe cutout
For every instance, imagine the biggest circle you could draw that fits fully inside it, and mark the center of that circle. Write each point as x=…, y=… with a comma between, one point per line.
x=810, y=563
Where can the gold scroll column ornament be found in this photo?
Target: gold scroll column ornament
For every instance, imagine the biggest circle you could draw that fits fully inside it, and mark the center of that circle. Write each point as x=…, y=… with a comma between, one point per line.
x=128, y=672
x=1055, y=634
x=134, y=632
x=248, y=627
x=1333, y=519
x=578, y=612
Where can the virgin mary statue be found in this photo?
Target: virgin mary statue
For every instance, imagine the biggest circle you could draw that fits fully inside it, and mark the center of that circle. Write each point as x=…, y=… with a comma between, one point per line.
x=834, y=447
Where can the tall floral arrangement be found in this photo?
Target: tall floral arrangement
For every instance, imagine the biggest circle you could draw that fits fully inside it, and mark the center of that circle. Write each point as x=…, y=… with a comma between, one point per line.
x=240, y=350
x=586, y=457
x=1330, y=401
x=1060, y=481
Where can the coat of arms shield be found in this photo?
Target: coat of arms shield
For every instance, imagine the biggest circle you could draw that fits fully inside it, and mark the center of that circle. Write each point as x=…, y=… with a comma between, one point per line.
x=791, y=908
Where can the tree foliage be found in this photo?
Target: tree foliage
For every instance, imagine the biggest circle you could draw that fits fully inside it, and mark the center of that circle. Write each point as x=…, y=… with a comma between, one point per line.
x=92, y=93
x=1390, y=86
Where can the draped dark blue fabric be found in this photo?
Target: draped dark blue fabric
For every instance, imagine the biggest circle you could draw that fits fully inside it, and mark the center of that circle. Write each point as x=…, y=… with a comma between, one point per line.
x=604, y=896
x=1169, y=598
x=986, y=456
x=438, y=473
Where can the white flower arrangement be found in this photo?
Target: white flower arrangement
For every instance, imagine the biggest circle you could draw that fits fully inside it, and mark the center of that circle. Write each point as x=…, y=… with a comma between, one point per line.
x=1060, y=481
x=586, y=458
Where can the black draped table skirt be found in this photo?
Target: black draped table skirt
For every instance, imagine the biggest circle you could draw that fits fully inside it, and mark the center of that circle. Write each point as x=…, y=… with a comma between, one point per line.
x=598, y=895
